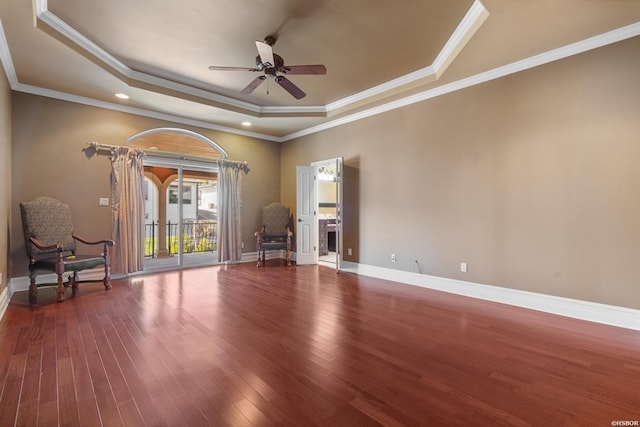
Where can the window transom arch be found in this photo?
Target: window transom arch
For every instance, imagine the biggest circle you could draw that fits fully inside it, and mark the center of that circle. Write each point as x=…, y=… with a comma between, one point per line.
x=177, y=141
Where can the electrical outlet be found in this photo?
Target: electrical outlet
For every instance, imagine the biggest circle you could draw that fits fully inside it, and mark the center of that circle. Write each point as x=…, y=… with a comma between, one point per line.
x=463, y=267
x=393, y=257
x=242, y=245
x=349, y=252
x=103, y=201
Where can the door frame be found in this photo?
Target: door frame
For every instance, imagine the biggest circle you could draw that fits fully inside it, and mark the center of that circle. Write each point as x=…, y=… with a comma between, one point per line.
x=338, y=163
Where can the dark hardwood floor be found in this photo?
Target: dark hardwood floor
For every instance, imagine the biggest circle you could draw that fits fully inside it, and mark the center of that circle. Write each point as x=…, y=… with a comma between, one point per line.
x=301, y=346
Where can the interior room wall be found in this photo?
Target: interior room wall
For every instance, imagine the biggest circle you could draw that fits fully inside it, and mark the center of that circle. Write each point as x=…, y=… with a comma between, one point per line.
x=530, y=179
x=326, y=195
x=48, y=159
x=326, y=192
x=5, y=176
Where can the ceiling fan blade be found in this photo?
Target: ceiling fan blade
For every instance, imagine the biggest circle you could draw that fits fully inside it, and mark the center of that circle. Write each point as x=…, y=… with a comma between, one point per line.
x=216, y=68
x=254, y=84
x=288, y=85
x=304, y=69
x=266, y=54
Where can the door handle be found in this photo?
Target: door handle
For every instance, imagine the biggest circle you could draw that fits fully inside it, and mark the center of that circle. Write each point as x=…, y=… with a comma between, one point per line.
x=299, y=219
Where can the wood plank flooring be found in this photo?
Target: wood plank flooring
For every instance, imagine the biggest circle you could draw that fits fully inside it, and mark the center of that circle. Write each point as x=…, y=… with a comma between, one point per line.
x=302, y=346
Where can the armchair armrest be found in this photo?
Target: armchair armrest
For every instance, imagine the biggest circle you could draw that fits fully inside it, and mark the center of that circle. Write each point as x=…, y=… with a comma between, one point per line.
x=97, y=242
x=38, y=244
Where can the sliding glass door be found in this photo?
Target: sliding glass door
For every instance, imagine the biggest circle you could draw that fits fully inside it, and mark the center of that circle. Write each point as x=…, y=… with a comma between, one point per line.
x=180, y=213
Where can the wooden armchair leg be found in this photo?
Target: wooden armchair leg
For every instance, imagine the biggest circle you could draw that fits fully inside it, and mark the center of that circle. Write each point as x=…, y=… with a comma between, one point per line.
x=60, y=289
x=73, y=280
x=33, y=289
x=258, y=245
x=60, y=273
x=107, y=277
x=107, y=267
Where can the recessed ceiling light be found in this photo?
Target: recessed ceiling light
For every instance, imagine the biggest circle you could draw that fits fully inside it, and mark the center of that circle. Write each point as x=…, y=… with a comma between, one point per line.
x=246, y=123
x=122, y=95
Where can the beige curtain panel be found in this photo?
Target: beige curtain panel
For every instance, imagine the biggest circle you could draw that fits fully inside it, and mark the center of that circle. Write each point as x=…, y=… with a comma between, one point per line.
x=127, y=209
x=230, y=210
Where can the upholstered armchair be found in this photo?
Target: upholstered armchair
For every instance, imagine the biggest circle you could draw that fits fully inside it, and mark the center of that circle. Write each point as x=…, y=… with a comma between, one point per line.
x=51, y=245
x=276, y=231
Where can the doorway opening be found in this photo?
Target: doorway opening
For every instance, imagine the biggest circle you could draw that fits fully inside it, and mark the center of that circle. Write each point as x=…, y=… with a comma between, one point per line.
x=181, y=217
x=319, y=208
x=327, y=212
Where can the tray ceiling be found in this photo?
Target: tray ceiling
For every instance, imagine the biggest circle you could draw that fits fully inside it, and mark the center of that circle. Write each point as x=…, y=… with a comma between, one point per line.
x=379, y=54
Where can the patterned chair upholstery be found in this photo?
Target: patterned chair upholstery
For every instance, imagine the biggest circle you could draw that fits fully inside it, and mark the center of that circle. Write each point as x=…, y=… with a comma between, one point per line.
x=51, y=245
x=276, y=231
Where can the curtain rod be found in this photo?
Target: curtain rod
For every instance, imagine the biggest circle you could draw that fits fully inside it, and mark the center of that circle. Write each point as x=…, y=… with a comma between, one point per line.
x=167, y=154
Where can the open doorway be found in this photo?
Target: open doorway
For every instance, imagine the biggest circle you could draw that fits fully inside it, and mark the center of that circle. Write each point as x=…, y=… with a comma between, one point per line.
x=319, y=207
x=327, y=212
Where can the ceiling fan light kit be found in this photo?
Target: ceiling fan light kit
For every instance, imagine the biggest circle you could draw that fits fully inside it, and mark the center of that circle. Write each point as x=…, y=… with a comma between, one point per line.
x=272, y=65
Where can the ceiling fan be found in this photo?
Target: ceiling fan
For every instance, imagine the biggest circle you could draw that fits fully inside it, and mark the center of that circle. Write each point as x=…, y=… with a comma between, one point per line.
x=273, y=65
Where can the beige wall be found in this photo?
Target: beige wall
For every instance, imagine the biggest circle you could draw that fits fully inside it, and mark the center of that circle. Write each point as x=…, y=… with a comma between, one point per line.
x=47, y=157
x=531, y=179
x=5, y=176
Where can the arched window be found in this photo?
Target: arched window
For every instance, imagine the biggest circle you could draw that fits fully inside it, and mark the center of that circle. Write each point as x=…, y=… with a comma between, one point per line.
x=177, y=141
x=180, y=167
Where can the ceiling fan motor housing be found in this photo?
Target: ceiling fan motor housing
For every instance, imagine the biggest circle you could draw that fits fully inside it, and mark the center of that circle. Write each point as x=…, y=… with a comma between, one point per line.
x=278, y=66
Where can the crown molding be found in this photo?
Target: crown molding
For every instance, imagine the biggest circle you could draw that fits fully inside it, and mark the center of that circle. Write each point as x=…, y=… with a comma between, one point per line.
x=63, y=96
x=591, y=43
x=9, y=69
x=464, y=31
x=134, y=78
x=472, y=20
x=5, y=58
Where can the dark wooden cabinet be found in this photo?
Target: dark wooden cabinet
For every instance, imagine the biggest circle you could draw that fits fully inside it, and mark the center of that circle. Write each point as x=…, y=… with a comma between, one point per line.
x=322, y=238
x=325, y=243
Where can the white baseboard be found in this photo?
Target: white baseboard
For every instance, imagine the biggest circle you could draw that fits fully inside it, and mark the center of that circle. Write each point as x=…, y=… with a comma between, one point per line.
x=19, y=284
x=585, y=310
x=275, y=254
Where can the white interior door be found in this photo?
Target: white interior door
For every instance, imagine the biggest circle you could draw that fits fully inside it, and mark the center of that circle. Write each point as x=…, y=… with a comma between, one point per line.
x=305, y=207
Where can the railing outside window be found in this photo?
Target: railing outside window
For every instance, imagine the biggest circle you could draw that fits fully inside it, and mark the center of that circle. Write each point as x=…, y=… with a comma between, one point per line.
x=197, y=236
